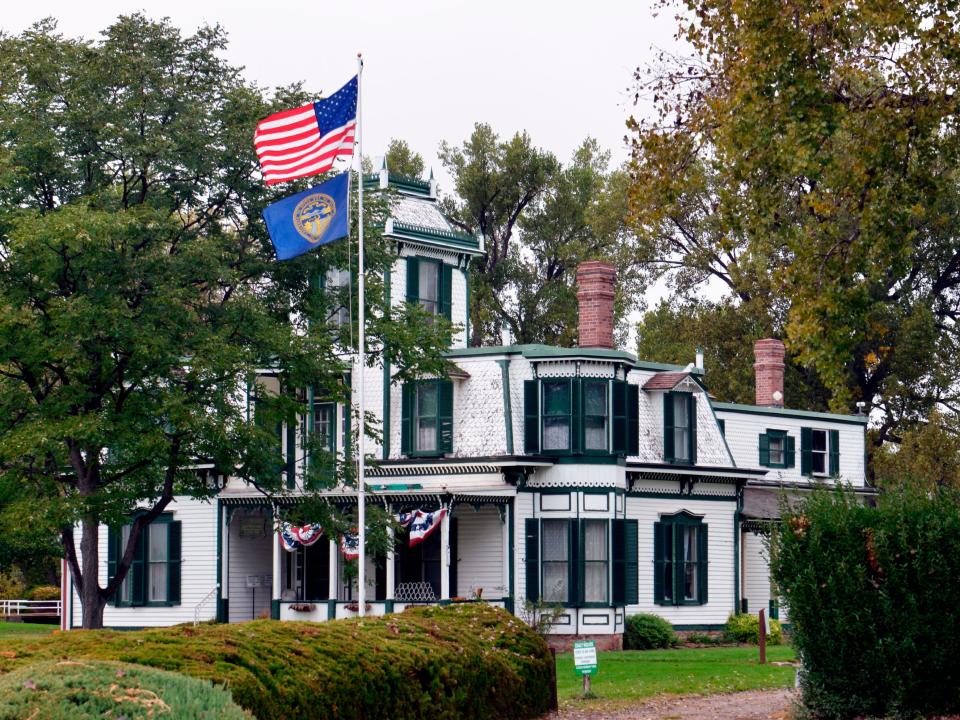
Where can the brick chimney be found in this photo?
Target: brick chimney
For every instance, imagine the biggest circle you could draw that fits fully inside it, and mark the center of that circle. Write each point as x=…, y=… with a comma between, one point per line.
x=595, y=282
x=768, y=369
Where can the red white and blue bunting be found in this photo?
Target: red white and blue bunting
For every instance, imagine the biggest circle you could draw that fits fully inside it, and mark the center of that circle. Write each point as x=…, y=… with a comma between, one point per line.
x=421, y=524
x=292, y=537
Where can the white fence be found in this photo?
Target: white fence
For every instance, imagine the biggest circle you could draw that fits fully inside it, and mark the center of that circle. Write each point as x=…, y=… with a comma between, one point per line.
x=30, y=608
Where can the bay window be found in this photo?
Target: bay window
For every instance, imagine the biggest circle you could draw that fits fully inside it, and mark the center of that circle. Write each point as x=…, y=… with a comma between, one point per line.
x=427, y=418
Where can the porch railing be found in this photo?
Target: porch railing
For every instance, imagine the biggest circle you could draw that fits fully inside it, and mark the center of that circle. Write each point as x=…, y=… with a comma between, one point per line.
x=26, y=609
x=199, y=606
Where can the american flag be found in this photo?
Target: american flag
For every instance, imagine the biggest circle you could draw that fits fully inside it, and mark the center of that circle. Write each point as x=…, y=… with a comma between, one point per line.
x=306, y=140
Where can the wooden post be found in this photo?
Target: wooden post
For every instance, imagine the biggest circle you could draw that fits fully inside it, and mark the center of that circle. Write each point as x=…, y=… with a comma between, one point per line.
x=554, y=701
x=586, y=685
x=763, y=638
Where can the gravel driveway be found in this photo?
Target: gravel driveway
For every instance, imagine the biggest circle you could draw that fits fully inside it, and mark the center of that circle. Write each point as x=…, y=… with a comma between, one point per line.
x=752, y=705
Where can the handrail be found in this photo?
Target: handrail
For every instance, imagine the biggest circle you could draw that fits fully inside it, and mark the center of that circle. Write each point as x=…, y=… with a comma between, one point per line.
x=26, y=608
x=199, y=605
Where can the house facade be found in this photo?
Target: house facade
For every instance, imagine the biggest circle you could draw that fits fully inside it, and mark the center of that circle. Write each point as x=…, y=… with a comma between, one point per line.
x=581, y=477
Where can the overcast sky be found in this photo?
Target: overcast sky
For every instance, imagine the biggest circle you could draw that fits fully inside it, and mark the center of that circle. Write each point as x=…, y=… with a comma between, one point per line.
x=560, y=70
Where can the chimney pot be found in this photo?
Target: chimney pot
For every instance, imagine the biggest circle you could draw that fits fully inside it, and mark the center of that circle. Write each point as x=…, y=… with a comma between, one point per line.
x=595, y=293
x=768, y=370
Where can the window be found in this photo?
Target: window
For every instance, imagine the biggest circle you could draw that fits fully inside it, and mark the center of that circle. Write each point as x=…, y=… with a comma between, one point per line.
x=777, y=449
x=556, y=561
x=572, y=416
x=680, y=428
x=429, y=284
x=595, y=561
x=582, y=562
x=680, y=560
x=427, y=418
x=324, y=424
x=338, y=283
x=154, y=574
x=556, y=415
x=595, y=415
x=819, y=452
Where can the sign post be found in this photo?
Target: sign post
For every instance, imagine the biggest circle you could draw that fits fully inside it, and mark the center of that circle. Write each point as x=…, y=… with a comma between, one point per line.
x=585, y=662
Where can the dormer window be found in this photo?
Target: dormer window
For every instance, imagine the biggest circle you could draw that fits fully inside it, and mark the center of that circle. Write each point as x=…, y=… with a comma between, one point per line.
x=572, y=416
x=680, y=428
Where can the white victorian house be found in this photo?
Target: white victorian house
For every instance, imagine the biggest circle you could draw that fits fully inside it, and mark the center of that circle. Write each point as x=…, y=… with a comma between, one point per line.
x=581, y=476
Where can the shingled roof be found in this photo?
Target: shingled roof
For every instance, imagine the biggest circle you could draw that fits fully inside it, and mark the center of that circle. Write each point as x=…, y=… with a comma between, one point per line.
x=665, y=380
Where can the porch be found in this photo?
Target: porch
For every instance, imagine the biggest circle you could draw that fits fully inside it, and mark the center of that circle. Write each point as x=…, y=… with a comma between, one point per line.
x=466, y=558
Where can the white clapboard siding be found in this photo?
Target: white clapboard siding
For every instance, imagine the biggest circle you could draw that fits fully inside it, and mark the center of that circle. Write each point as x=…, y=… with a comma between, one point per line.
x=743, y=432
x=198, y=572
x=250, y=554
x=756, y=575
x=718, y=516
x=479, y=551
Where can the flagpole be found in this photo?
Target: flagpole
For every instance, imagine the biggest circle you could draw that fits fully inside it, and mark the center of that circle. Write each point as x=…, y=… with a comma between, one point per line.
x=361, y=338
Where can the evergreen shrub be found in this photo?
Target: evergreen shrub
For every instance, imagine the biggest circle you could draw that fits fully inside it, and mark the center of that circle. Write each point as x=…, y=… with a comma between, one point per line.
x=87, y=689
x=460, y=661
x=745, y=628
x=874, y=601
x=646, y=631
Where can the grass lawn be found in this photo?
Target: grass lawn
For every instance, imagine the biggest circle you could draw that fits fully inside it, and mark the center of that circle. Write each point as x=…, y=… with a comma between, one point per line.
x=15, y=629
x=628, y=676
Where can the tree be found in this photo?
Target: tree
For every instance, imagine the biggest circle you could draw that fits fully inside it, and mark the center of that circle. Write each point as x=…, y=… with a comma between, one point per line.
x=928, y=456
x=138, y=290
x=541, y=219
x=726, y=332
x=805, y=156
x=495, y=182
x=404, y=161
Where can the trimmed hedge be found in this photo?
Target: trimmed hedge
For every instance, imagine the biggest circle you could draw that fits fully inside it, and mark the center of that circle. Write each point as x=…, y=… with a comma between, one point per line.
x=462, y=661
x=646, y=631
x=745, y=628
x=80, y=689
x=874, y=602
x=43, y=592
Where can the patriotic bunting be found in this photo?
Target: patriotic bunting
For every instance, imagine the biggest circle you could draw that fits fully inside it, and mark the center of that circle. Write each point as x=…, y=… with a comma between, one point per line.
x=421, y=525
x=424, y=524
x=293, y=537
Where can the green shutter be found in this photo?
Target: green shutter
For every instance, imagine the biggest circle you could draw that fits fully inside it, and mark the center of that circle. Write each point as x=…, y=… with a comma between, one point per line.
x=445, y=420
x=531, y=416
x=631, y=566
x=806, y=451
x=702, y=570
x=347, y=419
x=533, y=559
x=174, y=534
x=765, y=450
x=790, y=452
x=406, y=416
x=413, y=280
x=618, y=545
x=576, y=416
x=633, y=419
x=574, y=562
x=692, y=421
x=136, y=573
x=113, y=543
x=446, y=289
x=658, y=530
x=291, y=460
x=668, y=452
x=834, y=453
x=619, y=417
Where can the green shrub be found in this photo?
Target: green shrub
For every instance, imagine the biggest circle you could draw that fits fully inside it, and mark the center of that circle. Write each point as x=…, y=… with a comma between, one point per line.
x=79, y=689
x=43, y=592
x=698, y=638
x=745, y=628
x=648, y=632
x=874, y=602
x=462, y=661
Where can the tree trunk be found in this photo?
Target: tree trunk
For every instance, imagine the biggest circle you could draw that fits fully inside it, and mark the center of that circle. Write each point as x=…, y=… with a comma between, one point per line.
x=91, y=599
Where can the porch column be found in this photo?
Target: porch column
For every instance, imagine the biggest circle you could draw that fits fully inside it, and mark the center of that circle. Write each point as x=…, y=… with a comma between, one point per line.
x=275, y=583
x=223, y=607
x=391, y=570
x=445, y=557
x=334, y=588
